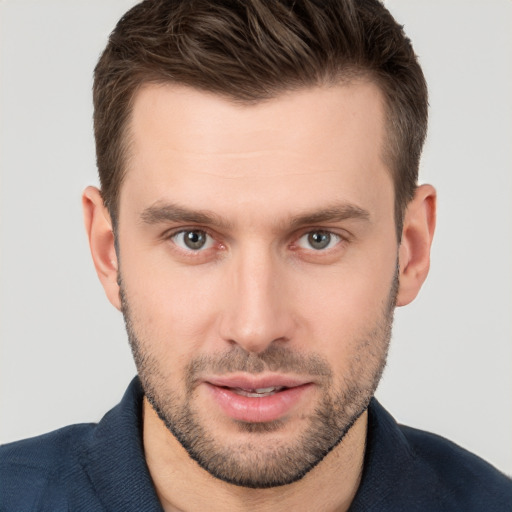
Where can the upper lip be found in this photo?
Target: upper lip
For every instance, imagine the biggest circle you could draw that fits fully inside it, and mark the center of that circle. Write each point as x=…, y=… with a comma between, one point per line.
x=249, y=382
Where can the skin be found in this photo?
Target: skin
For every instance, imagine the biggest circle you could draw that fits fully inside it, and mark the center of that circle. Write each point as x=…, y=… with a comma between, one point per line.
x=265, y=174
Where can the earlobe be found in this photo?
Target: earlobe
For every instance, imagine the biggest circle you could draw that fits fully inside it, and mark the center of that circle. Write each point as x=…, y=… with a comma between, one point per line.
x=417, y=234
x=98, y=226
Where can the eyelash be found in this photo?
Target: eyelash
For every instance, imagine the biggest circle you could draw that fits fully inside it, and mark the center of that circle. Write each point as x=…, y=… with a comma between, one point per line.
x=331, y=237
x=189, y=252
x=211, y=241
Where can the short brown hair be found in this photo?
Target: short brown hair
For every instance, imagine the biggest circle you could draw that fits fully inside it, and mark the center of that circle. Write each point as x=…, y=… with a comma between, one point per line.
x=250, y=50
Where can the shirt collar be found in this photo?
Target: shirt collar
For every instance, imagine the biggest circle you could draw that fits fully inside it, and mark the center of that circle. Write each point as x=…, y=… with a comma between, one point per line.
x=114, y=457
x=393, y=478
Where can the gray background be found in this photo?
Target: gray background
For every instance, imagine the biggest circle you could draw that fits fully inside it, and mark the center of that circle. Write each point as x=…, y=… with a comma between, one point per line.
x=63, y=353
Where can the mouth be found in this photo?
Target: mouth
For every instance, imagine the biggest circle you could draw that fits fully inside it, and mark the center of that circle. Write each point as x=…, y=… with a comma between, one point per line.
x=257, y=393
x=250, y=400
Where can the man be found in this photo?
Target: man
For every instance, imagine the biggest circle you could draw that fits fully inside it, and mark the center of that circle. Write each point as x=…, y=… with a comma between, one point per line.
x=258, y=221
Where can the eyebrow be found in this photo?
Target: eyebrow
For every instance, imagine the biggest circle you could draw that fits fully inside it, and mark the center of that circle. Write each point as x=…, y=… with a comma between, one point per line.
x=335, y=213
x=170, y=212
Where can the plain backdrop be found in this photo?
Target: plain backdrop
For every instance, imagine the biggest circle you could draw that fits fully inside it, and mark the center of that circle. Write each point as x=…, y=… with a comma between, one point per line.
x=64, y=357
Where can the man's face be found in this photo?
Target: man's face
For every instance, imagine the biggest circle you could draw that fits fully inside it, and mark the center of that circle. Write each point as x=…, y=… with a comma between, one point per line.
x=258, y=262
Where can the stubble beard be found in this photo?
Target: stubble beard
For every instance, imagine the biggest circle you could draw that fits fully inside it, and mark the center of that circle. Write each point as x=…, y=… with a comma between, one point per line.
x=255, y=464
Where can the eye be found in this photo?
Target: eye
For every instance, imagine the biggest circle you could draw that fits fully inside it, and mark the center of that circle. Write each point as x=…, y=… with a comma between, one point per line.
x=193, y=240
x=319, y=240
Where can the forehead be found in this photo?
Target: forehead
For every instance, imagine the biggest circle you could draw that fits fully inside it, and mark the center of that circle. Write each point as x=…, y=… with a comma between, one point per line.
x=313, y=145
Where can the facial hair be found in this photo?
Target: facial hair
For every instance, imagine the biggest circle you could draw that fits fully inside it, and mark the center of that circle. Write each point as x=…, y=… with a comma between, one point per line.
x=250, y=464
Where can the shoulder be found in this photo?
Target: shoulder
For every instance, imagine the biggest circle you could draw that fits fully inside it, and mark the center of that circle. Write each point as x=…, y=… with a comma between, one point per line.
x=87, y=467
x=461, y=477
x=47, y=450
x=33, y=468
x=411, y=470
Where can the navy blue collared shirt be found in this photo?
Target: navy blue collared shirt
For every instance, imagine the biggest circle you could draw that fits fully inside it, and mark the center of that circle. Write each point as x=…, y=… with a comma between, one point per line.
x=101, y=467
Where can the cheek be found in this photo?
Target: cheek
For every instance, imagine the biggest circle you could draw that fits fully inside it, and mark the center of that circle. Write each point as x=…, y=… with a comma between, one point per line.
x=349, y=297
x=346, y=311
x=172, y=308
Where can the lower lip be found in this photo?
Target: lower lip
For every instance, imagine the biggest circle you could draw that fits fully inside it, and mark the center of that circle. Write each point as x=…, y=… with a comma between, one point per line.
x=257, y=409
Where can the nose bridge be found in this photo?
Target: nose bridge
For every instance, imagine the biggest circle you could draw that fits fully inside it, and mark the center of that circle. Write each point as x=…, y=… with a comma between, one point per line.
x=256, y=314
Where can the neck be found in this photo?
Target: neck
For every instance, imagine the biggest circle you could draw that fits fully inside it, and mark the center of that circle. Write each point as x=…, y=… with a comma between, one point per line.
x=182, y=485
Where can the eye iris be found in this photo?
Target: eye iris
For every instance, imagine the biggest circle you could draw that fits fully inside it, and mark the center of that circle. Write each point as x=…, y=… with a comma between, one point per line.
x=319, y=239
x=194, y=239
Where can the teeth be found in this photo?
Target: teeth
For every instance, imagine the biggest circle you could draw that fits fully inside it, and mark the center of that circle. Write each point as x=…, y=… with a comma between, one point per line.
x=257, y=393
x=265, y=390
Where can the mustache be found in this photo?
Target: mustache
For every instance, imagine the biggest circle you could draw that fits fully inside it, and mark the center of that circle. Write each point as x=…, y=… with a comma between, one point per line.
x=274, y=359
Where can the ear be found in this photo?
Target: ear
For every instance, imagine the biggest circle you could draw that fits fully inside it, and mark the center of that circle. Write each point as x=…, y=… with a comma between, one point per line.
x=414, y=252
x=98, y=226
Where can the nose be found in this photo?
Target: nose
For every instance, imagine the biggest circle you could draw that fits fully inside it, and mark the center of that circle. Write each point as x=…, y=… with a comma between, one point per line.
x=257, y=309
